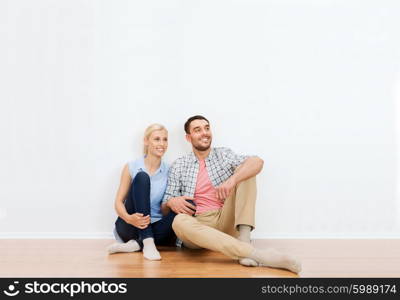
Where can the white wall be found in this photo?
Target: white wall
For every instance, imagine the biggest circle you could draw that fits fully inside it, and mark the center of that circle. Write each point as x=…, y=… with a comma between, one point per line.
x=310, y=86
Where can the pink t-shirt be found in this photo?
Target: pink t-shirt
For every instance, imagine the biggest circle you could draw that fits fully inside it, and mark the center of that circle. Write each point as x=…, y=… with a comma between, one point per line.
x=205, y=196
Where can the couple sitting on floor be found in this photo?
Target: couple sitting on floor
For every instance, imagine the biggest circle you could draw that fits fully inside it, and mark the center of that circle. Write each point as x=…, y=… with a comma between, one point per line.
x=207, y=198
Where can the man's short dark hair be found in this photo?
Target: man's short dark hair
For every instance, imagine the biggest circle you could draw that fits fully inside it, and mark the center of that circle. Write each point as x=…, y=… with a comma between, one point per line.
x=191, y=119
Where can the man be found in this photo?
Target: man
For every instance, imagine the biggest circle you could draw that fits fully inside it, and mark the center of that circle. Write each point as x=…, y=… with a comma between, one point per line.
x=223, y=187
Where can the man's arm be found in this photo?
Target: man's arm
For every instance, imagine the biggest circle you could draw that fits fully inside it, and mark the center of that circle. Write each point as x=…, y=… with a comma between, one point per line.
x=164, y=208
x=173, y=199
x=250, y=167
x=173, y=187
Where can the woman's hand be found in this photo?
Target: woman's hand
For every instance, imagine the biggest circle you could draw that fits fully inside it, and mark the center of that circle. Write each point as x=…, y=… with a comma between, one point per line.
x=138, y=220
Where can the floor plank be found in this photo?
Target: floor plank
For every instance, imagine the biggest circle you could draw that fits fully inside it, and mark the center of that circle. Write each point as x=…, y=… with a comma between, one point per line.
x=88, y=258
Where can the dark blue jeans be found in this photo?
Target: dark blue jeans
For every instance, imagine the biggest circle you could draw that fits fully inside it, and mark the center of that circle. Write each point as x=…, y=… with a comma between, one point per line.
x=138, y=201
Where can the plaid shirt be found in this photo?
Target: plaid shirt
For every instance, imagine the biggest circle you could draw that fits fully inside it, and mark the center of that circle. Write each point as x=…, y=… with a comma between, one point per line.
x=182, y=176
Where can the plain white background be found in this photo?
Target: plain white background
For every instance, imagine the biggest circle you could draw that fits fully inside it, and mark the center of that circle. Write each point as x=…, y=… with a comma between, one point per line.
x=310, y=86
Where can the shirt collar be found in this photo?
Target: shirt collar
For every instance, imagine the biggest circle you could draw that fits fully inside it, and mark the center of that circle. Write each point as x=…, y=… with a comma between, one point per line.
x=210, y=156
x=160, y=169
x=162, y=166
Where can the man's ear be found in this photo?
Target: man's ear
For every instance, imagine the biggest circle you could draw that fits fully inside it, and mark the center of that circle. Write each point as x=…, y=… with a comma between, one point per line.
x=188, y=138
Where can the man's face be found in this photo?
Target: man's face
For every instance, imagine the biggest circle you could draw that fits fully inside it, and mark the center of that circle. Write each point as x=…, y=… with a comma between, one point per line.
x=199, y=135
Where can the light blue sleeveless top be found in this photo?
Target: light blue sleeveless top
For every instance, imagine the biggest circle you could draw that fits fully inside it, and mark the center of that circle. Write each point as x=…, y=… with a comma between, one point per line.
x=158, y=185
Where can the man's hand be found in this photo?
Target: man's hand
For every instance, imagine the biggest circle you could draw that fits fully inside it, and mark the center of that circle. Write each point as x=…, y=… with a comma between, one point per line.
x=138, y=220
x=224, y=190
x=180, y=206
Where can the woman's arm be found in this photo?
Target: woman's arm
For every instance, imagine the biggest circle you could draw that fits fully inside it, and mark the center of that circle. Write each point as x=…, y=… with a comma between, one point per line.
x=122, y=192
x=136, y=219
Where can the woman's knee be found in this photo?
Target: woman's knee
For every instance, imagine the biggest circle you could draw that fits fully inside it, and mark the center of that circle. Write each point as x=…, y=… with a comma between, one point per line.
x=141, y=178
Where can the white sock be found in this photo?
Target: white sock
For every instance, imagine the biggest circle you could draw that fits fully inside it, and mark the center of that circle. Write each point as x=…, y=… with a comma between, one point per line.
x=244, y=233
x=129, y=246
x=149, y=250
x=244, y=236
x=272, y=258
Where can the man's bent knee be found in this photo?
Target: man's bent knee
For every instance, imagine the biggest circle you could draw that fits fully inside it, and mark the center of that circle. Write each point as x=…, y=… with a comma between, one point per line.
x=180, y=220
x=249, y=181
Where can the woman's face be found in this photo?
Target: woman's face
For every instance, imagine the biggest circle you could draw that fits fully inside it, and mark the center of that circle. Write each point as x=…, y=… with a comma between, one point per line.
x=157, y=143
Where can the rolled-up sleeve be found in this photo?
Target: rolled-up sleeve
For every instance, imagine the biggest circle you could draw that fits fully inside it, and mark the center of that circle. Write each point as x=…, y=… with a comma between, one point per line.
x=233, y=159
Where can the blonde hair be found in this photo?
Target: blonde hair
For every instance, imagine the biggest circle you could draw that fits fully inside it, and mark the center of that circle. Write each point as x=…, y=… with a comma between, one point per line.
x=149, y=130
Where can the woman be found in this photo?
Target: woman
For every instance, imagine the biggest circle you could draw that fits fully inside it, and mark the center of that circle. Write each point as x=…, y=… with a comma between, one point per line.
x=141, y=224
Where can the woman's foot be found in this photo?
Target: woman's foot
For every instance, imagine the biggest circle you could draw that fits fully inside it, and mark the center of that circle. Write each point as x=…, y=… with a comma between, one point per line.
x=272, y=258
x=149, y=250
x=129, y=246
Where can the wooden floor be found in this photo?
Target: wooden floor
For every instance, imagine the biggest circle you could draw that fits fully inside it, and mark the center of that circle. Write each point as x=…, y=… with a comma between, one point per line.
x=88, y=258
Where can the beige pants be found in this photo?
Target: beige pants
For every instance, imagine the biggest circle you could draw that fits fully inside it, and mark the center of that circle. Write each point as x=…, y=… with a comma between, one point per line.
x=217, y=230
